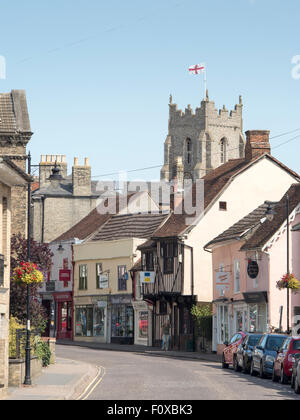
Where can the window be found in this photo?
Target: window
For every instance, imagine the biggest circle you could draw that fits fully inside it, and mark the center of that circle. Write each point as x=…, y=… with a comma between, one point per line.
x=148, y=264
x=188, y=150
x=89, y=321
x=122, y=277
x=236, y=276
x=122, y=321
x=1, y=270
x=101, y=280
x=169, y=251
x=223, y=146
x=83, y=277
x=223, y=205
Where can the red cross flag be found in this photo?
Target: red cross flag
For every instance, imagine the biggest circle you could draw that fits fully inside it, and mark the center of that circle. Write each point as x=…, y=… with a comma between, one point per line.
x=197, y=69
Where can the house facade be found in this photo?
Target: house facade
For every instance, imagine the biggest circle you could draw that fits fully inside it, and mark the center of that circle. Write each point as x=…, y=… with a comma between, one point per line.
x=231, y=191
x=247, y=261
x=11, y=176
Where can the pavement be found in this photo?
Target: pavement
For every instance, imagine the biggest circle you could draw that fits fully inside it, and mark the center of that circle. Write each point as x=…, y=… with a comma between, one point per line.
x=70, y=380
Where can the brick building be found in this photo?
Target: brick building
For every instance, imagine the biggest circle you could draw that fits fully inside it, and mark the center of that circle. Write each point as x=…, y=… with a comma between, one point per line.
x=61, y=200
x=10, y=176
x=15, y=133
x=200, y=141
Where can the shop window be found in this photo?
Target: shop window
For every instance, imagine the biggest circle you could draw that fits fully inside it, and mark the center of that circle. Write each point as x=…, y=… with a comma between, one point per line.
x=143, y=324
x=83, y=277
x=98, y=322
x=122, y=277
x=84, y=321
x=122, y=321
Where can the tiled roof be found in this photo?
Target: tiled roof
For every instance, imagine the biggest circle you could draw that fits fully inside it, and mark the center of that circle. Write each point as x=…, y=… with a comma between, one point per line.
x=13, y=112
x=265, y=232
x=141, y=225
x=242, y=227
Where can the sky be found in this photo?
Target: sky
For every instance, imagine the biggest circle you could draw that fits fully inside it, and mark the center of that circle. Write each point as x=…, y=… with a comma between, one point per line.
x=98, y=74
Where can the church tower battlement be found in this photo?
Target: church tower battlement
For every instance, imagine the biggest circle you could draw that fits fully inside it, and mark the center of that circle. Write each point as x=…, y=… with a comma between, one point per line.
x=204, y=139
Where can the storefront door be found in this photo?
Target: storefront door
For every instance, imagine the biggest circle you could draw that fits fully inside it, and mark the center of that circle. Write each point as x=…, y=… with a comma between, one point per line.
x=64, y=324
x=122, y=324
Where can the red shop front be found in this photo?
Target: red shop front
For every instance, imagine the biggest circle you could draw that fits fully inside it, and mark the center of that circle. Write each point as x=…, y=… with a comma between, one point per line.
x=64, y=320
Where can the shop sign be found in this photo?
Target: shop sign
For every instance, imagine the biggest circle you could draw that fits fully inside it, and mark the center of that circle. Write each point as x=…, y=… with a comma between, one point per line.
x=222, y=281
x=65, y=276
x=120, y=299
x=101, y=304
x=103, y=281
x=147, y=277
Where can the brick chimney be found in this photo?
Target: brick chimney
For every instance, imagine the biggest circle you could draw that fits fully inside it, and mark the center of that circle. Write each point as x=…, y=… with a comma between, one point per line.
x=81, y=177
x=257, y=144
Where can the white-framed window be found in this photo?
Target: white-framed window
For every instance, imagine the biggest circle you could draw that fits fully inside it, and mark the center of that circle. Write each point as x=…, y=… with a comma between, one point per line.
x=223, y=323
x=237, y=277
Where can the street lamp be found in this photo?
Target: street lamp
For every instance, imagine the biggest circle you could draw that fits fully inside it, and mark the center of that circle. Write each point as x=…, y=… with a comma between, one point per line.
x=270, y=213
x=27, y=380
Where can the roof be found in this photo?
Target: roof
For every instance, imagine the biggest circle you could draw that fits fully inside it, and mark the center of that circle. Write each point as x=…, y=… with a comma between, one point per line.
x=214, y=183
x=14, y=113
x=265, y=232
x=93, y=221
x=140, y=225
x=243, y=227
x=16, y=168
x=63, y=188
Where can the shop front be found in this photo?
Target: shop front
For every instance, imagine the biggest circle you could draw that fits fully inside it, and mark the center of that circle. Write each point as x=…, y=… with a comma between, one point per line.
x=91, y=314
x=122, y=319
x=64, y=319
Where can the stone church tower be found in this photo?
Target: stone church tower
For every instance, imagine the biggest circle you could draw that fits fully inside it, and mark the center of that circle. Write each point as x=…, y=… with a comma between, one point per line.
x=200, y=141
x=15, y=133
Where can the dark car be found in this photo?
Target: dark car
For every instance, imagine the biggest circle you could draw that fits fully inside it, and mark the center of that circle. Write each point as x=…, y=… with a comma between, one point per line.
x=231, y=349
x=264, y=354
x=294, y=369
x=283, y=365
x=243, y=357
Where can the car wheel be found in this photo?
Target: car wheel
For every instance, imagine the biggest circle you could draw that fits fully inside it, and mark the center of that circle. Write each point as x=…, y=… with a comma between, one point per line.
x=297, y=386
x=236, y=365
x=252, y=371
x=292, y=382
x=261, y=371
x=283, y=377
x=274, y=376
x=245, y=368
x=224, y=364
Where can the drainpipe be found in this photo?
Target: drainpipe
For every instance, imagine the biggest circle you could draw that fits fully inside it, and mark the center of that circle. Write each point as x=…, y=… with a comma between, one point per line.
x=43, y=198
x=72, y=292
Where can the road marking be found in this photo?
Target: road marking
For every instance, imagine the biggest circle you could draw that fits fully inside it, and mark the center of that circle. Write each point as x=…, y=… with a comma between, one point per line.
x=95, y=382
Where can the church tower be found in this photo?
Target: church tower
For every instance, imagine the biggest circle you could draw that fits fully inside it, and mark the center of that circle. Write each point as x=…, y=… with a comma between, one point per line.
x=203, y=140
x=15, y=133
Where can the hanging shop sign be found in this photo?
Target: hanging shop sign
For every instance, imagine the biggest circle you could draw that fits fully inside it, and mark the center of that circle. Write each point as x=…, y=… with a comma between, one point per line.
x=147, y=277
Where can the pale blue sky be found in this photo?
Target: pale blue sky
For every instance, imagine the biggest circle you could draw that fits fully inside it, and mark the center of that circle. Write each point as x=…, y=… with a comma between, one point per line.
x=98, y=74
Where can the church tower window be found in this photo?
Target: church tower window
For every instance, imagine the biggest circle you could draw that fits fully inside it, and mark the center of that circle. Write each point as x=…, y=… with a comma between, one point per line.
x=223, y=145
x=188, y=151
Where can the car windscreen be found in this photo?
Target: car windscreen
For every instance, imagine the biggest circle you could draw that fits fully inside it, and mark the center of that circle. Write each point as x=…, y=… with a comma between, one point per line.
x=275, y=343
x=253, y=340
x=296, y=345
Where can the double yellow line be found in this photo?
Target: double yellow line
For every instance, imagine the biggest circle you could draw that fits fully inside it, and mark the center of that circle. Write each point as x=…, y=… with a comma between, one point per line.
x=93, y=385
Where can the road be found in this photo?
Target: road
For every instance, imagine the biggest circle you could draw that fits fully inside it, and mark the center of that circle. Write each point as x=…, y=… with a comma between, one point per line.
x=139, y=376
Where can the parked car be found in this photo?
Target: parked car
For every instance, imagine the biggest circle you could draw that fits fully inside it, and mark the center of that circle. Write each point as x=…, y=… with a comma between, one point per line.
x=231, y=349
x=264, y=354
x=297, y=379
x=294, y=369
x=242, y=359
x=283, y=365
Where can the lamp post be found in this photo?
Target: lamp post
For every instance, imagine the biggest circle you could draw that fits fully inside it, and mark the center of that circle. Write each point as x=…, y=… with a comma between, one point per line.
x=270, y=215
x=27, y=380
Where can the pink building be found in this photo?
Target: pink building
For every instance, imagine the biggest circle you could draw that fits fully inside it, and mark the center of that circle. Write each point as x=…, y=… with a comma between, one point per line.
x=247, y=261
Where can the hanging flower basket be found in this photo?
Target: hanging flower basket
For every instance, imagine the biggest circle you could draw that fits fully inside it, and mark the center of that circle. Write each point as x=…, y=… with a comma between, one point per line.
x=27, y=273
x=288, y=281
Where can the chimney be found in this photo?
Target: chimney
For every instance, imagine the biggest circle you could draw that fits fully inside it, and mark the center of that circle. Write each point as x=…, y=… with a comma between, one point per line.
x=81, y=177
x=47, y=163
x=257, y=144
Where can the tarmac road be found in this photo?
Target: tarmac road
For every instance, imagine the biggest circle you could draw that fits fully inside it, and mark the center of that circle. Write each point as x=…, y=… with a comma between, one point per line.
x=140, y=376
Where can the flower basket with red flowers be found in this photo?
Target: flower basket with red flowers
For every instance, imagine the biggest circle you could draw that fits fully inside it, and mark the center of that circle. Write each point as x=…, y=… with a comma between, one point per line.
x=27, y=273
x=288, y=281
